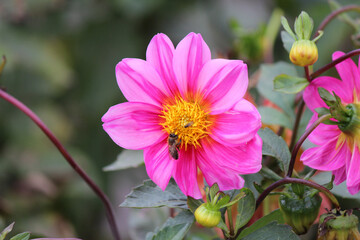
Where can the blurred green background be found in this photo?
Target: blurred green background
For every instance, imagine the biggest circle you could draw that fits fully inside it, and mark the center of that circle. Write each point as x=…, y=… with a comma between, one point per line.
x=61, y=56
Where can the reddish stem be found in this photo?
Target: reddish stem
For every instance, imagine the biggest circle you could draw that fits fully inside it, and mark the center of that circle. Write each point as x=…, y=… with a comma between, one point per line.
x=333, y=63
x=69, y=159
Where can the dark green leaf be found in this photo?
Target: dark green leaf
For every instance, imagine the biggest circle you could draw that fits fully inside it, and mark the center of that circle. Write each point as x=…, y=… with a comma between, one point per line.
x=193, y=203
x=224, y=200
x=287, y=40
x=249, y=179
x=290, y=84
x=245, y=209
x=265, y=86
x=21, y=236
x=6, y=231
x=126, y=159
x=258, y=187
x=275, y=146
x=174, y=228
x=222, y=225
x=275, y=215
x=271, y=116
x=270, y=174
x=326, y=96
x=273, y=231
x=149, y=195
x=322, y=111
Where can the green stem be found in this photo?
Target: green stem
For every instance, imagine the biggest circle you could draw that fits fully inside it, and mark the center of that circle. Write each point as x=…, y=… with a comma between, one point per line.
x=231, y=224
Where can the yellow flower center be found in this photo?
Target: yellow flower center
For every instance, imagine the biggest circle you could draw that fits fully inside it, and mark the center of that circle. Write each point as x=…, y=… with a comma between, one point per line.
x=188, y=120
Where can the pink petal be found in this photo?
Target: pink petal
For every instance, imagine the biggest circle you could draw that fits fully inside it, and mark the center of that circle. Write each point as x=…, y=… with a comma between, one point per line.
x=311, y=95
x=354, y=189
x=353, y=167
x=215, y=173
x=340, y=175
x=185, y=173
x=159, y=164
x=326, y=157
x=222, y=83
x=349, y=73
x=160, y=55
x=323, y=132
x=133, y=125
x=189, y=57
x=238, y=125
x=242, y=159
x=140, y=82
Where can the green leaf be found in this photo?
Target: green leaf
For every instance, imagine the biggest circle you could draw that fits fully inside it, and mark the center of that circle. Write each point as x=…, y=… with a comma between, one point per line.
x=214, y=190
x=275, y=146
x=149, y=195
x=6, y=231
x=174, y=228
x=222, y=225
x=326, y=96
x=287, y=40
x=265, y=86
x=21, y=236
x=287, y=28
x=126, y=159
x=245, y=209
x=273, y=231
x=303, y=26
x=272, y=116
x=193, y=203
x=290, y=84
x=223, y=201
x=275, y=215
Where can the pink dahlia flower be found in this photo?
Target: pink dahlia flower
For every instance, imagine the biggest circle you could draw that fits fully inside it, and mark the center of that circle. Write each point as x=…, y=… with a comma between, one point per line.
x=187, y=112
x=337, y=151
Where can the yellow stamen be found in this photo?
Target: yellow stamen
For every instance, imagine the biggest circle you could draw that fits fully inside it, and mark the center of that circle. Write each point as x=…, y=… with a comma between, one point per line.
x=188, y=120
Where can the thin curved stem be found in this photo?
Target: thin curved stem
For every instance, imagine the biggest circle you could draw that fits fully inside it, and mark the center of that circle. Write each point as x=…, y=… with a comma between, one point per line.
x=109, y=211
x=288, y=180
x=301, y=140
x=296, y=124
x=333, y=63
x=334, y=14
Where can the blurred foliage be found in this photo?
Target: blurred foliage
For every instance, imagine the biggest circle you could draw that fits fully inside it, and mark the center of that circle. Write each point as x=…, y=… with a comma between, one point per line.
x=61, y=56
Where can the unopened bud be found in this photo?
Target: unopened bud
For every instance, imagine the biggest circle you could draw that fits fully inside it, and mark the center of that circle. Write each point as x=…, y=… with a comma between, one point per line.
x=207, y=215
x=303, y=53
x=300, y=211
x=338, y=225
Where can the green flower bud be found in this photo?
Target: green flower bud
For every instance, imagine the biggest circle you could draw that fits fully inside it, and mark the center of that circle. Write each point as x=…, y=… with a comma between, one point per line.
x=303, y=53
x=338, y=225
x=208, y=215
x=300, y=211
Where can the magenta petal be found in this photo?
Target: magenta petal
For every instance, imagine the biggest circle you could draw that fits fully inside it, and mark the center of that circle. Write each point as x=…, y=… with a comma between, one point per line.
x=326, y=157
x=133, y=125
x=140, y=82
x=242, y=159
x=215, y=173
x=159, y=165
x=223, y=83
x=160, y=55
x=189, y=57
x=353, y=167
x=354, y=189
x=237, y=125
x=323, y=132
x=340, y=175
x=311, y=95
x=185, y=173
x=349, y=73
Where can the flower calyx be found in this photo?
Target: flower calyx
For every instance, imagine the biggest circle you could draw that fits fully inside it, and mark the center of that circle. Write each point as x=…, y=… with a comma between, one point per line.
x=300, y=206
x=346, y=117
x=208, y=214
x=338, y=224
x=304, y=51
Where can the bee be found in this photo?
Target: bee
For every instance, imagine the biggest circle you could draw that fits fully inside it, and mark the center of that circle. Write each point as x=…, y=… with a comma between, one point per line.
x=174, y=143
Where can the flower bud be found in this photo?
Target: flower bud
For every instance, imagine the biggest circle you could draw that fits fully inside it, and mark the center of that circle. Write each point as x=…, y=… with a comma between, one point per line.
x=300, y=211
x=338, y=225
x=207, y=215
x=303, y=53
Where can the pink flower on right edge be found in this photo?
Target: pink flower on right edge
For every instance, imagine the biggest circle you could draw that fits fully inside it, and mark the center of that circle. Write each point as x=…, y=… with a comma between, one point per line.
x=337, y=151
